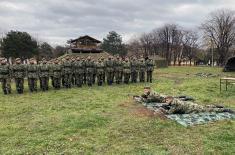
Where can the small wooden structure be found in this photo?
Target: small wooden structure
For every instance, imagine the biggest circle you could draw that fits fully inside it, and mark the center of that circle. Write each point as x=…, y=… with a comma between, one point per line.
x=85, y=44
x=227, y=81
x=83, y=47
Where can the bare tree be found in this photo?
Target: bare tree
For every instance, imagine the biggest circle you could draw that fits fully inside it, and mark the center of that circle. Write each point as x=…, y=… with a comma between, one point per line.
x=220, y=29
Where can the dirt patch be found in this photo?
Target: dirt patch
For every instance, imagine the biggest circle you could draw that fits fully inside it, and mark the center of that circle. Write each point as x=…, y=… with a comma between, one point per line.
x=144, y=112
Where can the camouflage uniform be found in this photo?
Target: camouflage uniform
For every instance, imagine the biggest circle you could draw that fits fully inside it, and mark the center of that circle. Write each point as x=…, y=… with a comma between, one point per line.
x=100, y=72
x=18, y=72
x=43, y=72
x=89, y=71
x=142, y=70
x=134, y=70
x=67, y=72
x=126, y=71
x=79, y=72
x=73, y=78
x=84, y=70
x=118, y=70
x=56, y=74
x=5, y=77
x=109, y=66
x=32, y=74
x=153, y=97
x=178, y=106
x=150, y=68
x=94, y=72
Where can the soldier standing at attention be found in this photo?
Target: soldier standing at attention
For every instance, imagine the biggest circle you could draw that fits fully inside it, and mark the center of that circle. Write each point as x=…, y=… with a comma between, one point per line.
x=109, y=70
x=32, y=74
x=84, y=70
x=150, y=67
x=18, y=72
x=142, y=70
x=100, y=71
x=134, y=70
x=79, y=72
x=94, y=72
x=73, y=80
x=44, y=71
x=56, y=69
x=126, y=71
x=89, y=70
x=102, y=59
x=67, y=72
x=118, y=70
x=5, y=76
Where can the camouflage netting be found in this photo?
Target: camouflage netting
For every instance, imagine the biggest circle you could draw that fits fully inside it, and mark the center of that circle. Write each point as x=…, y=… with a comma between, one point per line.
x=189, y=119
x=94, y=56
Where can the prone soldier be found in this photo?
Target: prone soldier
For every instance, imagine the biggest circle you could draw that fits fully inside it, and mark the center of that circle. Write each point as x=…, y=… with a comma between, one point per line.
x=18, y=72
x=32, y=74
x=5, y=76
x=44, y=71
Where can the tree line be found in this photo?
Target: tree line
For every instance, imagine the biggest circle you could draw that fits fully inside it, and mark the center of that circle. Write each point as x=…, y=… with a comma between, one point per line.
x=213, y=39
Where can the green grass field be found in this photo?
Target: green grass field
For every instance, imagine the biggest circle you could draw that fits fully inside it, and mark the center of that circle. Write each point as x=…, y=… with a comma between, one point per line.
x=105, y=120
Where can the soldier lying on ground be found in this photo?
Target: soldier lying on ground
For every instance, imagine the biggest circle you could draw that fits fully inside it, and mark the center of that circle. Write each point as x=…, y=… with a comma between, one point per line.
x=177, y=106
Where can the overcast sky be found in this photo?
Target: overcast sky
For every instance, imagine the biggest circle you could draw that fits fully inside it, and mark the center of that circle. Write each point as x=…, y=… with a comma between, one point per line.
x=57, y=21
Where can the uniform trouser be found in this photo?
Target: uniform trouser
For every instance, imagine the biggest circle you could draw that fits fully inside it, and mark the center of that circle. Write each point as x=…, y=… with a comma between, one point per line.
x=44, y=83
x=142, y=76
x=84, y=78
x=100, y=79
x=79, y=79
x=104, y=77
x=52, y=81
x=118, y=77
x=57, y=82
x=19, y=85
x=149, y=76
x=134, y=75
x=73, y=81
x=126, y=78
x=32, y=83
x=93, y=78
x=89, y=78
x=109, y=78
x=6, y=85
x=67, y=80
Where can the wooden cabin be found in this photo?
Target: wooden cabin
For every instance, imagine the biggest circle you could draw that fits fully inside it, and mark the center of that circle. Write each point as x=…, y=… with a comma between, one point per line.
x=85, y=44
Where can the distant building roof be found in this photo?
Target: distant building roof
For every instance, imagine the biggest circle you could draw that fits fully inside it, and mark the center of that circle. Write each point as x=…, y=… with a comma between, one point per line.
x=85, y=37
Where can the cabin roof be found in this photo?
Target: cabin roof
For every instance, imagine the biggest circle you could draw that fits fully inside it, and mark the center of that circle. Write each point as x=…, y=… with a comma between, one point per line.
x=86, y=37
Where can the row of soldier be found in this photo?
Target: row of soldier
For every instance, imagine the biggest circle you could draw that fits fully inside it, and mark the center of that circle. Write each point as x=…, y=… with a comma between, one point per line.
x=74, y=71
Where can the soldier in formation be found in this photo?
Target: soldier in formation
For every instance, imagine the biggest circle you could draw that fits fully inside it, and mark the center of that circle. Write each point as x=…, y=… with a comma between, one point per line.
x=67, y=72
x=150, y=67
x=32, y=74
x=100, y=71
x=44, y=73
x=5, y=76
x=19, y=73
x=74, y=72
